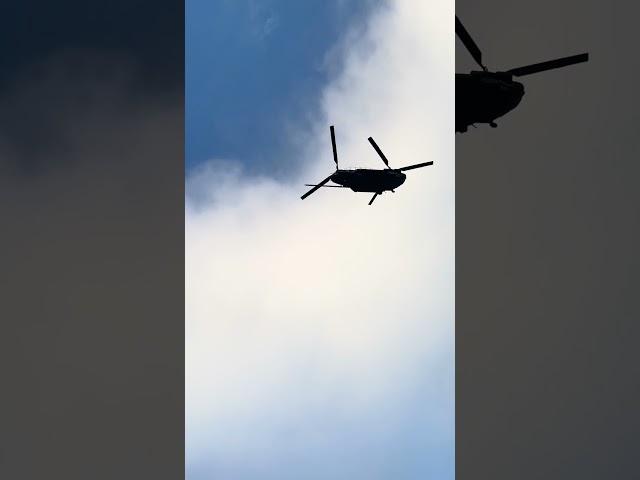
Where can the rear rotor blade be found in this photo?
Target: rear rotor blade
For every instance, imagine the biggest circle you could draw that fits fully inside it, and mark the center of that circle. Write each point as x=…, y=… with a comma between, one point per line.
x=316, y=187
x=374, y=197
x=333, y=144
x=549, y=65
x=384, y=159
x=468, y=42
x=324, y=186
x=417, y=165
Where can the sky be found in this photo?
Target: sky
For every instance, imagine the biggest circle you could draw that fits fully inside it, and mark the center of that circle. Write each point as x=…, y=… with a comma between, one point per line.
x=253, y=69
x=320, y=333
x=316, y=367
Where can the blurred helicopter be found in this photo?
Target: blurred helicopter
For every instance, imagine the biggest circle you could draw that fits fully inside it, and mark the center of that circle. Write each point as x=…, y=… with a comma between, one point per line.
x=482, y=97
x=365, y=179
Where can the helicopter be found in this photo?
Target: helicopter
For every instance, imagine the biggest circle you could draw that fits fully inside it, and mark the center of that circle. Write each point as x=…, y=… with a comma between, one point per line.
x=365, y=179
x=484, y=96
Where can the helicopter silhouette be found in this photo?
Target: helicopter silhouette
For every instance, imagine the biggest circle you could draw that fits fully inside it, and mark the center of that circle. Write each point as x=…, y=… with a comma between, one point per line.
x=482, y=97
x=365, y=179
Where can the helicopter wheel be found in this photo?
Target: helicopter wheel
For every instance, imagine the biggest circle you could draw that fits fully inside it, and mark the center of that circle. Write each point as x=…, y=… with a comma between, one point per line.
x=493, y=124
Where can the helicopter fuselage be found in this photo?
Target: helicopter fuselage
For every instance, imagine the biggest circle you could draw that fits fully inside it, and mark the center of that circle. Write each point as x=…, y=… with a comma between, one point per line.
x=482, y=97
x=369, y=180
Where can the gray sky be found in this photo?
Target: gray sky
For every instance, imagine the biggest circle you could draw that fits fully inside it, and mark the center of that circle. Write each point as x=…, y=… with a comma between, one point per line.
x=547, y=224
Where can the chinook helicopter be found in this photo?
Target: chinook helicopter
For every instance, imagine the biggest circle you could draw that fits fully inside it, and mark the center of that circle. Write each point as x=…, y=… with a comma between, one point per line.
x=365, y=179
x=482, y=97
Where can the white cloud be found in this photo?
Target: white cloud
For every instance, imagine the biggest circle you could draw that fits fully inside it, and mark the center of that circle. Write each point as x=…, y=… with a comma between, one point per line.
x=270, y=24
x=323, y=328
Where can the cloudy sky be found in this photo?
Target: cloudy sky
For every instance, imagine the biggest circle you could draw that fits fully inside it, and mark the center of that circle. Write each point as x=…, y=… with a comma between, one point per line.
x=319, y=333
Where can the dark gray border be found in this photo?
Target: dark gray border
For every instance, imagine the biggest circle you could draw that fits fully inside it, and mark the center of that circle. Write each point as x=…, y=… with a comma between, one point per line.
x=92, y=258
x=547, y=265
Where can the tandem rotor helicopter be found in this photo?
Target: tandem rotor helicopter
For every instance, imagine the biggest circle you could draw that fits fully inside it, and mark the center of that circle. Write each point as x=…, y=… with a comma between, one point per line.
x=482, y=97
x=375, y=181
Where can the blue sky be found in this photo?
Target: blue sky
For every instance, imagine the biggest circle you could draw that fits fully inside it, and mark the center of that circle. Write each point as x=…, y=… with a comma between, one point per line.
x=252, y=68
x=319, y=333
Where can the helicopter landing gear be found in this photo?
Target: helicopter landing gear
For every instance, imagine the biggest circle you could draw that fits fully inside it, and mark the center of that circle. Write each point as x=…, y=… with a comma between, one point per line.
x=493, y=124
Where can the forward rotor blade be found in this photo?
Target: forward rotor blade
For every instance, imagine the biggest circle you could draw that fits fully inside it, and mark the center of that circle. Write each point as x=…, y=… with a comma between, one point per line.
x=468, y=42
x=316, y=187
x=333, y=144
x=384, y=159
x=374, y=197
x=549, y=65
x=417, y=165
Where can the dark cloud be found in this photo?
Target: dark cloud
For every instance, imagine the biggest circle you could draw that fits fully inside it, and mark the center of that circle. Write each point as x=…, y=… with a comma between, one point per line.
x=152, y=35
